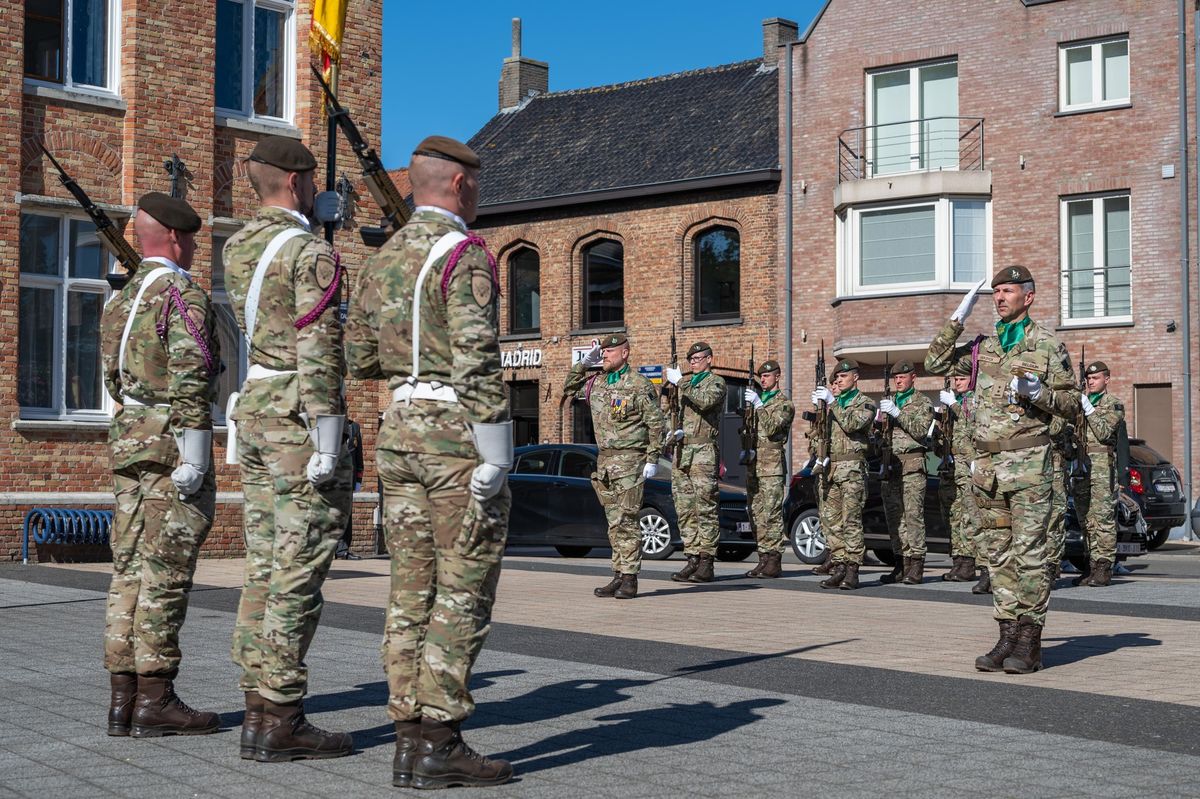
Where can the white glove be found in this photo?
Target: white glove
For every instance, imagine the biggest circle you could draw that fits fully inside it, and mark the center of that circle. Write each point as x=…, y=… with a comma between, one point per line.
x=495, y=445
x=678, y=434
x=195, y=453
x=752, y=397
x=674, y=375
x=1028, y=386
x=1088, y=407
x=968, y=302
x=822, y=394
x=889, y=407
x=649, y=470
x=592, y=357
x=327, y=205
x=327, y=441
x=947, y=397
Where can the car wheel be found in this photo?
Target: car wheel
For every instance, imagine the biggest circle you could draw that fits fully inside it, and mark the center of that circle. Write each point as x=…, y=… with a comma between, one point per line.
x=808, y=542
x=568, y=551
x=656, y=535
x=732, y=553
x=885, y=556
x=1158, y=538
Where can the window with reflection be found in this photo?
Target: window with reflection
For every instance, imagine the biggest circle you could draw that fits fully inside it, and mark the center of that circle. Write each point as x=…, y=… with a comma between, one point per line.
x=718, y=258
x=603, y=284
x=72, y=42
x=254, y=73
x=524, y=291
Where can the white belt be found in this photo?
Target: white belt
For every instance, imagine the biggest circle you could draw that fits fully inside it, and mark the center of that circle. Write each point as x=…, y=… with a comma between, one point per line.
x=429, y=391
x=256, y=372
x=130, y=402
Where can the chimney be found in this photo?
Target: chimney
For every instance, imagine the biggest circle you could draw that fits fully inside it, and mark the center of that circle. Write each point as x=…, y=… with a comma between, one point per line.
x=521, y=77
x=776, y=32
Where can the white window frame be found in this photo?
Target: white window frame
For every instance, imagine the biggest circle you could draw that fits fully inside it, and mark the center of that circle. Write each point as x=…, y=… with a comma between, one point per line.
x=914, y=115
x=1099, y=267
x=112, y=57
x=221, y=304
x=63, y=284
x=1097, y=48
x=849, y=247
x=288, y=8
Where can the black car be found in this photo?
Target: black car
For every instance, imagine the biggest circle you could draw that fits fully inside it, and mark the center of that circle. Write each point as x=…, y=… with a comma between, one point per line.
x=555, y=505
x=1158, y=489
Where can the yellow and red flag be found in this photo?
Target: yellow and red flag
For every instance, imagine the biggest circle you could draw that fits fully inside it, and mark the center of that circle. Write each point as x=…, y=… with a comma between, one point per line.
x=328, y=26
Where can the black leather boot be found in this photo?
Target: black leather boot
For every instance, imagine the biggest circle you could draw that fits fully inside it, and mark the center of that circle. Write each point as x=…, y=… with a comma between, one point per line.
x=284, y=735
x=408, y=741
x=158, y=711
x=250, y=724
x=445, y=761
x=994, y=660
x=609, y=589
x=681, y=576
x=1026, y=656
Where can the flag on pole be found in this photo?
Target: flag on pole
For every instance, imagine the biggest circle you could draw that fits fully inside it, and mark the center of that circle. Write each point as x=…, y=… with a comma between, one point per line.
x=328, y=26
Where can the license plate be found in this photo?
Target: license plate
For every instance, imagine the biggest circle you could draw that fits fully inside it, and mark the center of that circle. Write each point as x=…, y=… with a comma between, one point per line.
x=1130, y=549
x=1165, y=488
x=743, y=527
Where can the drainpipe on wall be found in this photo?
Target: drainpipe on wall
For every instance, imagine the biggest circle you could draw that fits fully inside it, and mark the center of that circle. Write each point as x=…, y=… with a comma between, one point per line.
x=787, y=246
x=1185, y=257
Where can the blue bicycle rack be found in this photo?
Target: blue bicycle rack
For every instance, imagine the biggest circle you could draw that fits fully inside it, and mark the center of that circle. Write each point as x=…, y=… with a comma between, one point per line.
x=64, y=526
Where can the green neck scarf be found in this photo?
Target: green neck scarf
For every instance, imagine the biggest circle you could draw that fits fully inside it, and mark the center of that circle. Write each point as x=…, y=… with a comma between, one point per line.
x=845, y=397
x=766, y=396
x=1012, y=333
x=699, y=378
x=1094, y=398
x=612, y=377
x=904, y=396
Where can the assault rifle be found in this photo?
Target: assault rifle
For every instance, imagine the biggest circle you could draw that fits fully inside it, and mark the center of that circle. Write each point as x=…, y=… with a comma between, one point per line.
x=749, y=429
x=885, y=428
x=671, y=449
x=379, y=182
x=945, y=429
x=1080, y=465
x=110, y=236
x=819, y=430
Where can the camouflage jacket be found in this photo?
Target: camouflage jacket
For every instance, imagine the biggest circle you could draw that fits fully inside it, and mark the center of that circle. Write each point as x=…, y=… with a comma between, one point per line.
x=701, y=406
x=851, y=427
x=773, y=422
x=168, y=370
x=1102, y=425
x=459, y=344
x=1012, y=434
x=625, y=414
x=295, y=285
x=911, y=427
x=962, y=442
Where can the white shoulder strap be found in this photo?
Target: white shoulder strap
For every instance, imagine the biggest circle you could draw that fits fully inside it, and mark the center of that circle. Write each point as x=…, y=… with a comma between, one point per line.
x=154, y=275
x=440, y=248
x=260, y=272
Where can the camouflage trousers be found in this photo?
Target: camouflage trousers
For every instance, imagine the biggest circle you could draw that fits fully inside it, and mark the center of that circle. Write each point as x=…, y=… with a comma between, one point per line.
x=291, y=532
x=958, y=506
x=694, y=492
x=1056, y=546
x=619, y=487
x=843, y=494
x=446, y=549
x=1095, y=507
x=155, y=540
x=1015, y=525
x=904, y=505
x=765, y=495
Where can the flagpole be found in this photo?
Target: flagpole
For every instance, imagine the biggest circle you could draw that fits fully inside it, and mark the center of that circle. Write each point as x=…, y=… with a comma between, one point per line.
x=331, y=146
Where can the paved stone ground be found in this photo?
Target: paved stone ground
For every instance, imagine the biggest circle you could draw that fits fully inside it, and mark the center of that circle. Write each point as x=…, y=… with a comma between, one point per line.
x=741, y=688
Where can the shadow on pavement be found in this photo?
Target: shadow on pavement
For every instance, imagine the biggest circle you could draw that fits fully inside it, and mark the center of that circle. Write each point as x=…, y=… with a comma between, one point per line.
x=1072, y=649
x=720, y=584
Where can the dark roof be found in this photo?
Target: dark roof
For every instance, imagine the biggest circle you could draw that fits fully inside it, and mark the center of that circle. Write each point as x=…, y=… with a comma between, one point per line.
x=719, y=121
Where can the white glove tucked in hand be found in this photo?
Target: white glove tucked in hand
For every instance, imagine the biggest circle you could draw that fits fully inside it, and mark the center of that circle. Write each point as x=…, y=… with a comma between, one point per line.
x=889, y=407
x=674, y=375
x=1088, y=407
x=195, y=454
x=495, y=445
x=947, y=397
x=1028, y=386
x=968, y=302
x=751, y=396
x=649, y=471
x=327, y=441
x=822, y=394
x=592, y=357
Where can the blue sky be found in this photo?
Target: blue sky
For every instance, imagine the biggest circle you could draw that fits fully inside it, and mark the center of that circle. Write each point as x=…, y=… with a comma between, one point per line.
x=441, y=62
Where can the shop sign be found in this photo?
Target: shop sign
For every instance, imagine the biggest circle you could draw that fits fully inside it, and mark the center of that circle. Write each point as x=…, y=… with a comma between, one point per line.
x=521, y=359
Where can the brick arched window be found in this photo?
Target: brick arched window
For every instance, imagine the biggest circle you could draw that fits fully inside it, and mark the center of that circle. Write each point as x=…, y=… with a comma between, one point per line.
x=524, y=291
x=603, y=284
x=717, y=255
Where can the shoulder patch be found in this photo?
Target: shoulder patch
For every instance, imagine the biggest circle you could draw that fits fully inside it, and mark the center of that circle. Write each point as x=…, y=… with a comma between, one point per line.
x=482, y=288
x=324, y=269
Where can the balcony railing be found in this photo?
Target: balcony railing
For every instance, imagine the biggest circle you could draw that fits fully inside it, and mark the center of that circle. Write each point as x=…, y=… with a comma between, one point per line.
x=918, y=145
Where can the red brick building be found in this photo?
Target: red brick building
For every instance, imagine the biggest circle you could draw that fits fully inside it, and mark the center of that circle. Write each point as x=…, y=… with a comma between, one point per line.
x=934, y=141
x=115, y=88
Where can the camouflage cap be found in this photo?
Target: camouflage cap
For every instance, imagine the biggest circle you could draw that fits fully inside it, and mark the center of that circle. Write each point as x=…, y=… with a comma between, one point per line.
x=613, y=340
x=698, y=347
x=845, y=365
x=962, y=368
x=1012, y=274
x=903, y=368
x=1097, y=366
x=766, y=367
x=286, y=154
x=170, y=212
x=448, y=150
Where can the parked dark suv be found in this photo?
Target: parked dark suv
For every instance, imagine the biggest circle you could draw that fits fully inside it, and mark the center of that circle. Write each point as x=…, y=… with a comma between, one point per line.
x=1158, y=489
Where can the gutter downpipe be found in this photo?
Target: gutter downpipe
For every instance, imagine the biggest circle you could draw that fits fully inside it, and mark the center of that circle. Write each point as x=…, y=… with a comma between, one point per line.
x=787, y=245
x=1185, y=257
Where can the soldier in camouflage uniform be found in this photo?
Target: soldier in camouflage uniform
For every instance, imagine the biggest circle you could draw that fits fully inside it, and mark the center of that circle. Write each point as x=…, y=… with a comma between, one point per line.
x=629, y=430
x=1024, y=380
x=904, y=489
x=844, y=486
x=1061, y=451
x=161, y=361
x=766, y=481
x=694, y=480
x=424, y=317
x=1095, y=491
x=284, y=284
x=966, y=546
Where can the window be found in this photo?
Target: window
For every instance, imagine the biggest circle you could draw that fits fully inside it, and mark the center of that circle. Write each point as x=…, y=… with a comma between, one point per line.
x=524, y=292
x=534, y=463
x=255, y=74
x=912, y=118
x=577, y=464
x=62, y=294
x=603, y=284
x=234, y=355
x=936, y=244
x=523, y=410
x=1093, y=75
x=718, y=256
x=1096, y=259
x=72, y=42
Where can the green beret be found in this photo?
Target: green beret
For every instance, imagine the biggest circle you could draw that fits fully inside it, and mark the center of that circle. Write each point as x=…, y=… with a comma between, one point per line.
x=768, y=366
x=845, y=365
x=962, y=368
x=170, y=211
x=1012, y=274
x=613, y=340
x=1097, y=366
x=903, y=368
x=698, y=347
x=287, y=154
x=448, y=150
